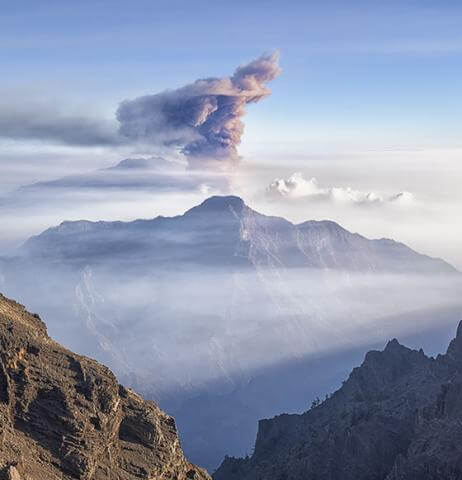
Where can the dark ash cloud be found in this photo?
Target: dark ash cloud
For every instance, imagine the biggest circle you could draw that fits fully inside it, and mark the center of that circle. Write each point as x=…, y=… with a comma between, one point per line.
x=203, y=119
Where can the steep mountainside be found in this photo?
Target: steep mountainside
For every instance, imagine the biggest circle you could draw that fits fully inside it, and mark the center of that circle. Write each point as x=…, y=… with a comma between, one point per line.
x=63, y=416
x=223, y=231
x=397, y=417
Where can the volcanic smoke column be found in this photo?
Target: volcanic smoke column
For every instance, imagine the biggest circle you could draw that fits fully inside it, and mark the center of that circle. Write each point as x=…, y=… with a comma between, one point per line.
x=203, y=119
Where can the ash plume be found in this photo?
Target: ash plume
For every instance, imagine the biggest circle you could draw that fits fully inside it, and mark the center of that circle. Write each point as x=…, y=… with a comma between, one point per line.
x=204, y=119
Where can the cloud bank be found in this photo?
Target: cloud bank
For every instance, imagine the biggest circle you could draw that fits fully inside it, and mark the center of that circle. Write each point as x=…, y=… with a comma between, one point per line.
x=203, y=119
x=298, y=187
x=47, y=123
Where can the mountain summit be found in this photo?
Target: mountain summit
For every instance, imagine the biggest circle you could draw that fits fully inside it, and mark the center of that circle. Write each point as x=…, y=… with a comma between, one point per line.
x=239, y=235
x=219, y=204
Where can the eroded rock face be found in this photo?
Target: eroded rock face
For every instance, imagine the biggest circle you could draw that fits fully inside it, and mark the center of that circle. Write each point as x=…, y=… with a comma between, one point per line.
x=63, y=416
x=397, y=417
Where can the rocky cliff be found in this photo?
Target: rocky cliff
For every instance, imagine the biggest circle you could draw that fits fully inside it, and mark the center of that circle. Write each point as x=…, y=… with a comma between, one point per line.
x=63, y=416
x=397, y=417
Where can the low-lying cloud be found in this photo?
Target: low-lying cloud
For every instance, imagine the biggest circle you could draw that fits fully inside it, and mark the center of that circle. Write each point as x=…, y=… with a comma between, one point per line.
x=298, y=187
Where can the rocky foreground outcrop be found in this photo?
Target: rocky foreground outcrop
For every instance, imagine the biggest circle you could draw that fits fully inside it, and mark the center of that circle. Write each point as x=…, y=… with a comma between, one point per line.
x=397, y=417
x=64, y=416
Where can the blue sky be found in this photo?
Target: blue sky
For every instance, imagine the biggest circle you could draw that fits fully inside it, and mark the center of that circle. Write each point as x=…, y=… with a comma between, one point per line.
x=392, y=67
x=369, y=97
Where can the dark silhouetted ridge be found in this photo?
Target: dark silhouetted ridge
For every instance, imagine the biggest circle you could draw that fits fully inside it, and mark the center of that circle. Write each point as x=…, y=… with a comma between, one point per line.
x=397, y=417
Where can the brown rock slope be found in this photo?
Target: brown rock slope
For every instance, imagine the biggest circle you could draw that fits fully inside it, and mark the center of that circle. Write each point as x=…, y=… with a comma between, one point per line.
x=63, y=416
x=397, y=417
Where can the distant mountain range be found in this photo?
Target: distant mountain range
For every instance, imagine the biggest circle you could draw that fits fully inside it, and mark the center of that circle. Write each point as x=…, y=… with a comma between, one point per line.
x=223, y=231
x=131, y=173
x=197, y=309
x=397, y=417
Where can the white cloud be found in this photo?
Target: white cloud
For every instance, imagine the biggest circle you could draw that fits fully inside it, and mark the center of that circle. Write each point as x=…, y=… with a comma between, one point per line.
x=298, y=187
x=403, y=198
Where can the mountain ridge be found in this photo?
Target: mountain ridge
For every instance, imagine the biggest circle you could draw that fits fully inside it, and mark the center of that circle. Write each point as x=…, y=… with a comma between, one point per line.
x=65, y=416
x=396, y=417
x=235, y=206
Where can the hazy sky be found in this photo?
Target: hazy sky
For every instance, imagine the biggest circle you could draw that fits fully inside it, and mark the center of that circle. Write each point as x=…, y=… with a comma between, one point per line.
x=368, y=101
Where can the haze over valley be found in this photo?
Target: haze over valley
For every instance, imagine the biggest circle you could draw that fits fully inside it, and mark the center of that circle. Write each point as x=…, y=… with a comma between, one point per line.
x=205, y=303
x=227, y=206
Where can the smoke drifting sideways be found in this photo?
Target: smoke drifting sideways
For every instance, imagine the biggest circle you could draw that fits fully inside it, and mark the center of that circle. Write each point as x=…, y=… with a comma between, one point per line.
x=204, y=119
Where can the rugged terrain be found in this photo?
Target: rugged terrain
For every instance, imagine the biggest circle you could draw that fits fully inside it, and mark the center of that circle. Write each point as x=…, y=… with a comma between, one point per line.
x=64, y=416
x=199, y=311
x=225, y=231
x=397, y=417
